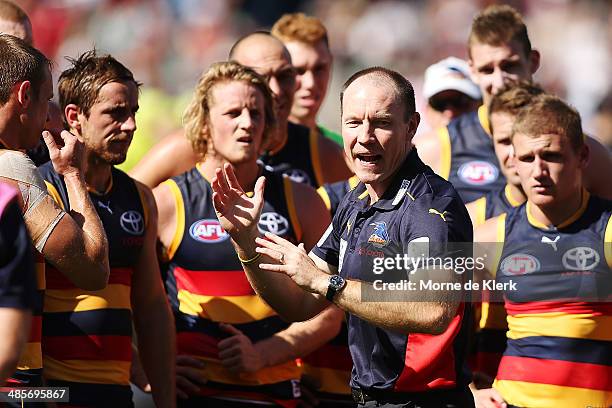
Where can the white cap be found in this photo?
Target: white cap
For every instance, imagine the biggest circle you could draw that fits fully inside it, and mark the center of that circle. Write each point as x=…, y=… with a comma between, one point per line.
x=450, y=74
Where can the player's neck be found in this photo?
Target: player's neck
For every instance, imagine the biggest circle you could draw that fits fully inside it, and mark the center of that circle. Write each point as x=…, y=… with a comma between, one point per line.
x=515, y=193
x=559, y=212
x=9, y=135
x=281, y=137
x=98, y=173
x=309, y=122
x=246, y=173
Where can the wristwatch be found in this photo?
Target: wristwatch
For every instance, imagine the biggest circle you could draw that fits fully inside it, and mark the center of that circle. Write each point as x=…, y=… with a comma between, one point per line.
x=336, y=284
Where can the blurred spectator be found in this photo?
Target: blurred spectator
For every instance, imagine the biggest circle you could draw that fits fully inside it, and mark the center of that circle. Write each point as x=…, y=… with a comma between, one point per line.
x=449, y=91
x=602, y=122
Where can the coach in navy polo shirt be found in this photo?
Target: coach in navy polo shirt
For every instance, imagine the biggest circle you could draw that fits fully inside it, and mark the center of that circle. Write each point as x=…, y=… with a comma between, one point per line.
x=404, y=352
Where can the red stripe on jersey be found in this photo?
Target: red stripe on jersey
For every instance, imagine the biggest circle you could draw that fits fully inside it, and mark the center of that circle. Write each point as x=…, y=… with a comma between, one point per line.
x=118, y=348
x=595, y=309
x=35, y=330
x=58, y=281
x=555, y=372
x=430, y=360
x=330, y=356
x=197, y=344
x=213, y=283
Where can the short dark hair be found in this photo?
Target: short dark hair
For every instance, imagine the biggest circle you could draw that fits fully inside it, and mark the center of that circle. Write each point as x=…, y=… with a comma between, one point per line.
x=402, y=86
x=20, y=62
x=497, y=25
x=550, y=114
x=81, y=83
x=512, y=98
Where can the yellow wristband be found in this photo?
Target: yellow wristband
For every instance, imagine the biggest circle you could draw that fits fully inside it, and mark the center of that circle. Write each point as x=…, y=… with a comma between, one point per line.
x=250, y=260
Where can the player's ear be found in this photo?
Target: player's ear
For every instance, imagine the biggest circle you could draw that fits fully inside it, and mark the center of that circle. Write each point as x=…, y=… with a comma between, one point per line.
x=72, y=112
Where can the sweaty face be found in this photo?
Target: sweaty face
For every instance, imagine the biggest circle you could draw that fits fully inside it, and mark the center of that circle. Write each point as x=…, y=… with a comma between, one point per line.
x=376, y=136
x=111, y=124
x=501, y=124
x=313, y=66
x=269, y=58
x=236, y=122
x=549, y=169
x=493, y=67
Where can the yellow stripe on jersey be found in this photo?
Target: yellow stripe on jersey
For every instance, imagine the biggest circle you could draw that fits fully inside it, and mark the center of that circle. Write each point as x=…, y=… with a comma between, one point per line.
x=332, y=381
x=559, y=324
x=525, y=394
x=483, y=118
x=180, y=217
x=493, y=316
x=608, y=242
x=508, y=194
x=31, y=357
x=214, y=371
x=480, y=215
x=353, y=181
x=89, y=371
x=499, y=239
x=324, y=196
x=295, y=221
x=445, y=152
x=315, y=156
x=227, y=309
x=54, y=194
x=114, y=296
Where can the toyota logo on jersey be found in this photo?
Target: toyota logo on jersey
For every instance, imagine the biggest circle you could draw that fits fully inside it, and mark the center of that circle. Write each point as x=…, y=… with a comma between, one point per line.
x=132, y=222
x=478, y=173
x=208, y=231
x=274, y=223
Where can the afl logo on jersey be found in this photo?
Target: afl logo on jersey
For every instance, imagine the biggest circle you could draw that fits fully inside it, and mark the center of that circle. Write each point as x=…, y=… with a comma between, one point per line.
x=208, y=231
x=478, y=173
x=274, y=223
x=297, y=175
x=132, y=222
x=520, y=264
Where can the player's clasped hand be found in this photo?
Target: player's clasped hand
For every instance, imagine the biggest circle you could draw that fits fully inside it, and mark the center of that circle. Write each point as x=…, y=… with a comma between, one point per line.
x=292, y=260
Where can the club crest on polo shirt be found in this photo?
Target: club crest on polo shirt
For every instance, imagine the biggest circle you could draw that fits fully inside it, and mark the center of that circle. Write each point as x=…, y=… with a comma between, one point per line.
x=380, y=236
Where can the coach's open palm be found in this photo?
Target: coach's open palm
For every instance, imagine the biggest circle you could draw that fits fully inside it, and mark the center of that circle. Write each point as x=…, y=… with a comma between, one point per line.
x=237, y=212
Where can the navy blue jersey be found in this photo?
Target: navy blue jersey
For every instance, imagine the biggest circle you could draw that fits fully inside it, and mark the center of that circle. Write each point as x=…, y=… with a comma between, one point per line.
x=417, y=206
x=207, y=286
x=17, y=278
x=559, y=348
x=494, y=203
x=87, y=335
x=333, y=193
x=468, y=158
x=298, y=158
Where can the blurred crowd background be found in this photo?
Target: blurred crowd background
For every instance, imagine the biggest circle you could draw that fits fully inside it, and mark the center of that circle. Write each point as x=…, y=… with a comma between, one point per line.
x=168, y=43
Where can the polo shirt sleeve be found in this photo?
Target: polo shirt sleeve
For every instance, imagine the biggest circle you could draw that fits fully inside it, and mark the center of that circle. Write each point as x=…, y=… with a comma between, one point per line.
x=17, y=279
x=328, y=247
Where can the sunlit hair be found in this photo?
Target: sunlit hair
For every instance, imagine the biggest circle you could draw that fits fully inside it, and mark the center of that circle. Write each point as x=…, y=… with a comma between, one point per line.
x=549, y=114
x=513, y=97
x=197, y=115
x=301, y=28
x=498, y=25
x=81, y=83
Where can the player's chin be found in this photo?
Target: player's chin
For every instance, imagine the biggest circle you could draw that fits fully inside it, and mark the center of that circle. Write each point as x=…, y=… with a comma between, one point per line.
x=115, y=158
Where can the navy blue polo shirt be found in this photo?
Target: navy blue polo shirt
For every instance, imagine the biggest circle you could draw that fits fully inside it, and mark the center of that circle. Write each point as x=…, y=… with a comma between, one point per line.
x=418, y=206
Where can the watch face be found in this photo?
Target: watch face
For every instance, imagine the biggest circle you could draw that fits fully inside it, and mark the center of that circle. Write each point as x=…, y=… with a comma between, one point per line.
x=337, y=281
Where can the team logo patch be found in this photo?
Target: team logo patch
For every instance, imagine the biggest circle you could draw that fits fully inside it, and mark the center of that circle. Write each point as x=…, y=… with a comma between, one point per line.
x=297, y=175
x=274, y=223
x=132, y=222
x=520, y=264
x=379, y=237
x=478, y=173
x=580, y=259
x=208, y=231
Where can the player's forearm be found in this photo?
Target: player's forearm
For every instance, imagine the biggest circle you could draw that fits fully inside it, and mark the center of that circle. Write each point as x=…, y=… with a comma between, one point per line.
x=301, y=338
x=94, y=254
x=14, y=332
x=156, y=344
